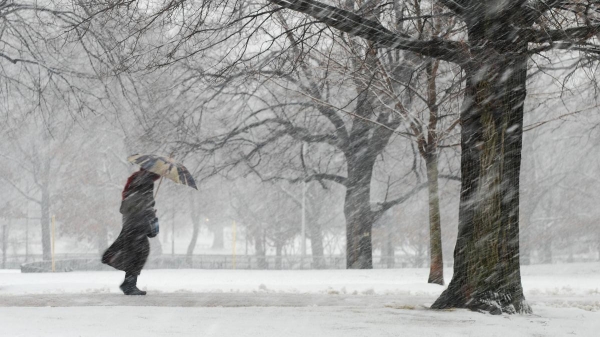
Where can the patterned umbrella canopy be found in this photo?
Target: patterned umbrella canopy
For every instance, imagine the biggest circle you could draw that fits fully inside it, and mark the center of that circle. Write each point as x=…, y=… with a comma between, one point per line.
x=164, y=166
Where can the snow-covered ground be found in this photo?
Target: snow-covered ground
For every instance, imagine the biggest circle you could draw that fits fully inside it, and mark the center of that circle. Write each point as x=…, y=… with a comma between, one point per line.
x=565, y=300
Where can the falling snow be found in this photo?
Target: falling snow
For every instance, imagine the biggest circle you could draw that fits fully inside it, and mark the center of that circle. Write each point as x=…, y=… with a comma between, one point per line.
x=300, y=167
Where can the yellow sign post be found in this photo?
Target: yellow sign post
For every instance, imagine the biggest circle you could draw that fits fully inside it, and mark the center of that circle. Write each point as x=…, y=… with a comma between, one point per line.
x=53, y=230
x=233, y=244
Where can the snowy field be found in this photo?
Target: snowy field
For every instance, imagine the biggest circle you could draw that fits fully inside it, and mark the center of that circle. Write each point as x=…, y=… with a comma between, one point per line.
x=565, y=299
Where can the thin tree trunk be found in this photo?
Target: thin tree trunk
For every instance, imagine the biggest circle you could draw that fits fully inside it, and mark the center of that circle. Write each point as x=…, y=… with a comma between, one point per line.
x=429, y=151
x=259, y=250
x=421, y=252
x=486, y=259
x=278, y=261
x=316, y=244
x=194, y=239
x=436, y=269
x=27, y=235
x=359, y=218
x=390, y=251
x=4, y=244
x=219, y=239
x=45, y=223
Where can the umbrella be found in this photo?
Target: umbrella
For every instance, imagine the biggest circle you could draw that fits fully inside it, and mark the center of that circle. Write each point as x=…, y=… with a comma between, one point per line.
x=165, y=167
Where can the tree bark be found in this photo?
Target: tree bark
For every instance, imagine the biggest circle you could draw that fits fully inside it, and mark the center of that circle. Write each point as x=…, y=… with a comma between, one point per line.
x=436, y=268
x=359, y=217
x=525, y=242
x=486, y=259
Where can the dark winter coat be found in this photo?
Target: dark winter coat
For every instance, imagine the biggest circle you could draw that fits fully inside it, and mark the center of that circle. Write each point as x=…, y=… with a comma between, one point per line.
x=131, y=249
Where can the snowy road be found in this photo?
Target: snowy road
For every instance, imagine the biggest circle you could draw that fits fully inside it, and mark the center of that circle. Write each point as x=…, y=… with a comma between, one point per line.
x=269, y=315
x=329, y=303
x=212, y=300
x=238, y=300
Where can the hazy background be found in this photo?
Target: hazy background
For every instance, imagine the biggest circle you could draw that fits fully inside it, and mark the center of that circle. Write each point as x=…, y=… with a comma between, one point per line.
x=68, y=128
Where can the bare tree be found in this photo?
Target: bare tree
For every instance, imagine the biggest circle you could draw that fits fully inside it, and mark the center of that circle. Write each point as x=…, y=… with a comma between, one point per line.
x=38, y=162
x=273, y=220
x=494, y=57
x=426, y=126
x=90, y=183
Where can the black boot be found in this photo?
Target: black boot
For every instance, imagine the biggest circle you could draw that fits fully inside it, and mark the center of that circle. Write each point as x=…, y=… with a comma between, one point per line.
x=129, y=286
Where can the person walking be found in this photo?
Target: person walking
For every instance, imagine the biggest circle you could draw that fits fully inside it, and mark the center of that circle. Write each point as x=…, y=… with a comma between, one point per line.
x=130, y=250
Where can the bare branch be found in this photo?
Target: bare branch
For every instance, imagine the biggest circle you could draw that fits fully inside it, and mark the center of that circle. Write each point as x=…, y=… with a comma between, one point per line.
x=457, y=6
x=357, y=25
x=322, y=176
x=576, y=34
x=384, y=206
x=25, y=195
x=449, y=177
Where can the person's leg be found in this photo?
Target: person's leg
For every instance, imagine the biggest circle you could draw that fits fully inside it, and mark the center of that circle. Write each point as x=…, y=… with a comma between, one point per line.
x=129, y=286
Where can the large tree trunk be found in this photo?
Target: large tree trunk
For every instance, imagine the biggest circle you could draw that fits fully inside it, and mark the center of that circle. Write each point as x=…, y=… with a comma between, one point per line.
x=525, y=242
x=486, y=259
x=365, y=144
x=436, y=269
x=359, y=217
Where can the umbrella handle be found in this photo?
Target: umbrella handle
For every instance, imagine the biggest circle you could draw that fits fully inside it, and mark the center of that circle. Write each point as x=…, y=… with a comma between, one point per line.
x=161, y=179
